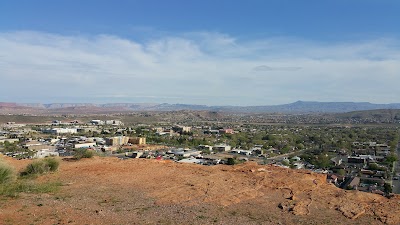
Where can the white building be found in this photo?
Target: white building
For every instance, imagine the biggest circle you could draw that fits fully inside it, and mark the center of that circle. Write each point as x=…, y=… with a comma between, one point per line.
x=85, y=145
x=192, y=160
x=222, y=148
x=97, y=122
x=242, y=152
x=45, y=153
x=113, y=122
x=63, y=131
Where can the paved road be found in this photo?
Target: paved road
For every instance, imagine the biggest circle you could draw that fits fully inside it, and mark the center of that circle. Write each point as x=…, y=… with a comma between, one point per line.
x=281, y=157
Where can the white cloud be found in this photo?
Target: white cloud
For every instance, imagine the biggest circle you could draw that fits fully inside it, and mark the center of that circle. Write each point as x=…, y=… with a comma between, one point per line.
x=269, y=68
x=196, y=67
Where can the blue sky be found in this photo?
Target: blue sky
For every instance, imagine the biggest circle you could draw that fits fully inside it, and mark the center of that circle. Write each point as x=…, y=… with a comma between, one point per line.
x=199, y=52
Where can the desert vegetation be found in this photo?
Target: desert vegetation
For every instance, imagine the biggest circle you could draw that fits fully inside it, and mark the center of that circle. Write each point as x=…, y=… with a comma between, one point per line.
x=7, y=173
x=11, y=183
x=41, y=166
x=83, y=153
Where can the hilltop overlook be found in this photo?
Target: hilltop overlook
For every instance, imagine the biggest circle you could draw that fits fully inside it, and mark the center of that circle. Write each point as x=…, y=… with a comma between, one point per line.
x=139, y=191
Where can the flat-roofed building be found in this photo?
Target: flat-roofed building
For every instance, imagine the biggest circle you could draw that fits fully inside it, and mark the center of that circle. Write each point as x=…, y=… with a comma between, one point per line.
x=62, y=131
x=85, y=145
x=222, y=148
x=137, y=140
x=117, y=141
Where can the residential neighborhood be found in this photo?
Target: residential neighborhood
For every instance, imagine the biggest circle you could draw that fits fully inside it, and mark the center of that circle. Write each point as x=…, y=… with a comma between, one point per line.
x=349, y=159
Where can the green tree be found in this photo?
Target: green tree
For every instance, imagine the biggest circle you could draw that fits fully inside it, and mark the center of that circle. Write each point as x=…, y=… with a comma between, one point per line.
x=391, y=158
x=387, y=188
x=231, y=161
x=341, y=172
x=299, y=146
x=322, y=161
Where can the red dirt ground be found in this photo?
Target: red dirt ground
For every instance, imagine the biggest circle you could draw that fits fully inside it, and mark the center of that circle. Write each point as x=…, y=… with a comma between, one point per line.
x=141, y=191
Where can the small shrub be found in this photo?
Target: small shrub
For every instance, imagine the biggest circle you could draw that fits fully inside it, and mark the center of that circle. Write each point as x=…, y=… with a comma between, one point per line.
x=11, y=187
x=41, y=166
x=83, y=153
x=7, y=174
x=88, y=154
x=36, y=168
x=52, y=163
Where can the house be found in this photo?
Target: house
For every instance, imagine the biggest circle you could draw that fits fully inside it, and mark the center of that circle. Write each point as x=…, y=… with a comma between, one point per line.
x=351, y=182
x=332, y=178
x=181, y=129
x=382, y=151
x=337, y=160
x=356, y=160
x=226, y=131
x=257, y=150
x=204, y=147
x=222, y=148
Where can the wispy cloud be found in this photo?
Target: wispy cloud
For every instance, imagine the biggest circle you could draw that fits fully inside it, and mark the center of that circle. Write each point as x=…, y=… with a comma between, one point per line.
x=197, y=67
x=269, y=68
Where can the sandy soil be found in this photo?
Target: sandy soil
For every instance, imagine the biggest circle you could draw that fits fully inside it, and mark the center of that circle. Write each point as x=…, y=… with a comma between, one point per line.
x=141, y=191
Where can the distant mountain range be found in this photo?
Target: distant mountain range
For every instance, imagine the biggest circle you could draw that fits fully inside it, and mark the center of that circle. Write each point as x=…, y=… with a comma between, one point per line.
x=296, y=107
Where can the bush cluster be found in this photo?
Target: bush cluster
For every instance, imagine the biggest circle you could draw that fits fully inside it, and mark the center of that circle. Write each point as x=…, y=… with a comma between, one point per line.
x=52, y=163
x=83, y=153
x=41, y=166
x=7, y=173
x=11, y=187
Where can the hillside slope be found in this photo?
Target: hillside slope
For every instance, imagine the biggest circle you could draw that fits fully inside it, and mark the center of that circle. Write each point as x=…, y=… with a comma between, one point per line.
x=136, y=191
x=295, y=107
